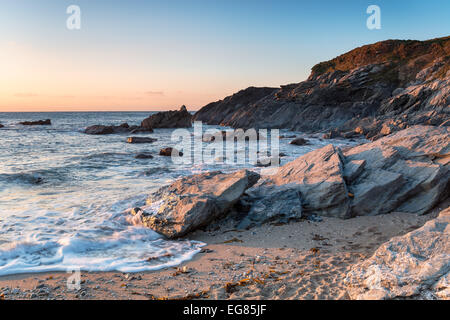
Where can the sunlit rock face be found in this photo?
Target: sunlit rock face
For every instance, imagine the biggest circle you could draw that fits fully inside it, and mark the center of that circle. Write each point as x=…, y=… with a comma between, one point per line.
x=373, y=91
x=416, y=265
x=195, y=201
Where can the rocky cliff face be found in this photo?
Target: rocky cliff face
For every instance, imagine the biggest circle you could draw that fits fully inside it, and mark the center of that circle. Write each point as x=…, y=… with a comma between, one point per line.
x=373, y=90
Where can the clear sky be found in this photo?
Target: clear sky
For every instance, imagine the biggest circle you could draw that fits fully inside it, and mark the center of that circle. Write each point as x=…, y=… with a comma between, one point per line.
x=155, y=55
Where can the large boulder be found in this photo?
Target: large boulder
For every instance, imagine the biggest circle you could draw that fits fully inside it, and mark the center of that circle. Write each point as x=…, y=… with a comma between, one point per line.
x=416, y=265
x=407, y=171
x=169, y=119
x=318, y=180
x=192, y=202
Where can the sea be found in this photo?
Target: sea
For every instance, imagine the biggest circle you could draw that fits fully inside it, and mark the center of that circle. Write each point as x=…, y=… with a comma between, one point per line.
x=65, y=196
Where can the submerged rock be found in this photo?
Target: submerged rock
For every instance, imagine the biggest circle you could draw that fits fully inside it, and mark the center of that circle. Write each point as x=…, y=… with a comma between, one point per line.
x=37, y=123
x=192, y=202
x=169, y=119
x=144, y=155
x=416, y=265
x=141, y=140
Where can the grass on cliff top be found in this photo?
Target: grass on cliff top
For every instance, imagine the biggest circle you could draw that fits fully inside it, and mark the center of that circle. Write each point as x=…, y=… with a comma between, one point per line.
x=398, y=52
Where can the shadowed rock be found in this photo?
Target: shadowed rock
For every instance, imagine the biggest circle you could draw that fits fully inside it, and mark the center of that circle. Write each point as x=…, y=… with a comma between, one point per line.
x=47, y=122
x=123, y=128
x=195, y=201
x=299, y=142
x=169, y=119
x=145, y=155
x=416, y=265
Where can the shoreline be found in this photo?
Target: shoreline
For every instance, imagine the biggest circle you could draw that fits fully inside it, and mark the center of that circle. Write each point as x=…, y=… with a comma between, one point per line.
x=297, y=260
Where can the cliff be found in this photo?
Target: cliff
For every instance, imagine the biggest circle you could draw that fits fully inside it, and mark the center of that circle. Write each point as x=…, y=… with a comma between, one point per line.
x=373, y=90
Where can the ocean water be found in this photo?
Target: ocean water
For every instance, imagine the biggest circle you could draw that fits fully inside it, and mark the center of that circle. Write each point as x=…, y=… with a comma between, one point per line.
x=64, y=194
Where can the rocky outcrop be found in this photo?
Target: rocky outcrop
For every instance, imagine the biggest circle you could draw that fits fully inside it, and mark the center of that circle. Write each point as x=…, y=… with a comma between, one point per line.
x=408, y=171
x=373, y=91
x=1, y=126
x=140, y=140
x=195, y=201
x=46, y=122
x=123, y=128
x=169, y=119
x=416, y=265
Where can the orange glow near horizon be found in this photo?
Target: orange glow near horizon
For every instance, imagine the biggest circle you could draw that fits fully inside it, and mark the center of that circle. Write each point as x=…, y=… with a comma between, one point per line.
x=33, y=80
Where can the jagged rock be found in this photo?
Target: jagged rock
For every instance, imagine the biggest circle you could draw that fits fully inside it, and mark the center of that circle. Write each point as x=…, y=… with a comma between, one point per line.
x=192, y=202
x=169, y=119
x=299, y=142
x=407, y=171
x=123, y=128
x=319, y=179
x=167, y=152
x=268, y=203
x=47, y=122
x=416, y=265
x=140, y=140
x=399, y=171
x=360, y=91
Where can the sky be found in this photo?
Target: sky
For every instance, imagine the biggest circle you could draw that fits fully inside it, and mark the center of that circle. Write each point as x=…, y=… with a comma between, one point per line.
x=157, y=55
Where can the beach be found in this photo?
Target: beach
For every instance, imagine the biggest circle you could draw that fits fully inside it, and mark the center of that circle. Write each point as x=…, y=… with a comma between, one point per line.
x=297, y=260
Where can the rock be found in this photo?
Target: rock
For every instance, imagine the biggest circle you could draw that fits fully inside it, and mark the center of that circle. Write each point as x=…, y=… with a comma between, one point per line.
x=167, y=152
x=143, y=156
x=361, y=89
x=37, y=123
x=98, y=129
x=268, y=161
x=123, y=128
x=169, y=119
x=318, y=178
x=1, y=126
x=269, y=203
x=192, y=202
x=416, y=265
x=407, y=171
x=141, y=140
x=299, y=142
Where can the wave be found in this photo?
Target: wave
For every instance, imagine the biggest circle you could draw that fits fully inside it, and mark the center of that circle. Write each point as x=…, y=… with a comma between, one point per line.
x=133, y=250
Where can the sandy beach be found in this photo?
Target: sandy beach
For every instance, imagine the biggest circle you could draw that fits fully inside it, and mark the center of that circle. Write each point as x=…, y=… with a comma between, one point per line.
x=298, y=260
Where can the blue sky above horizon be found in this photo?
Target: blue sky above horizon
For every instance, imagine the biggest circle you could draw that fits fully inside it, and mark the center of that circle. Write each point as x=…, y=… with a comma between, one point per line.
x=148, y=55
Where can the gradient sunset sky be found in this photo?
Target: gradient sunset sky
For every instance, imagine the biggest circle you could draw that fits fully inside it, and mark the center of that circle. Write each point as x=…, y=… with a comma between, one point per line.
x=155, y=55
